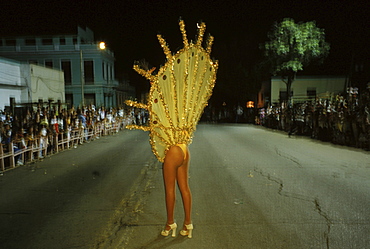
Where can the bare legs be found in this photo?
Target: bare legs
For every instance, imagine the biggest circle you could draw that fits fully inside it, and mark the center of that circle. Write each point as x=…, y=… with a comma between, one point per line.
x=176, y=168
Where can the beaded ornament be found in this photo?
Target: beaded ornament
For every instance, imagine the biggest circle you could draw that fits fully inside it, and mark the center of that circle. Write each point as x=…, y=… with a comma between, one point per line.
x=179, y=92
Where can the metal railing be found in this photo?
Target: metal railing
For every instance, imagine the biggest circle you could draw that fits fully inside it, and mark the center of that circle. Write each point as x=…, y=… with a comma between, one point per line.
x=15, y=154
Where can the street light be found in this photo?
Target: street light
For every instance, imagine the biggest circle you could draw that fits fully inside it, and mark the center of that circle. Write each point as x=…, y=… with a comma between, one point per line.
x=102, y=45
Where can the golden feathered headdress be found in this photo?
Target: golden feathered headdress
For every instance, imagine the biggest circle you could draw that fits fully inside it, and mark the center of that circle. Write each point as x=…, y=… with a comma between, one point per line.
x=179, y=92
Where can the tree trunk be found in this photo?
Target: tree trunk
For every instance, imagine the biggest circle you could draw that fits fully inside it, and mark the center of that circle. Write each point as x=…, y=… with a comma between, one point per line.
x=288, y=90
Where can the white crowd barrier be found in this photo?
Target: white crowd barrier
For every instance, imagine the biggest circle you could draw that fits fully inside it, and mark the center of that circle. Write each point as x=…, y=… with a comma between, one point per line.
x=17, y=154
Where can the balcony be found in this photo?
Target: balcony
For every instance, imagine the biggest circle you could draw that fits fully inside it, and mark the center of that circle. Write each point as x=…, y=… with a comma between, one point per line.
x=92, y=47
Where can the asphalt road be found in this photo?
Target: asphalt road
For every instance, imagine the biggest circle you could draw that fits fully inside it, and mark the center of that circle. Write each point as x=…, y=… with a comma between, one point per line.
x=68, y=199
x=252, y=188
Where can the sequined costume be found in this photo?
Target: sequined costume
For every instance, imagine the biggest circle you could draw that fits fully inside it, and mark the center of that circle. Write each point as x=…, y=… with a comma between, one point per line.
x=179, y=92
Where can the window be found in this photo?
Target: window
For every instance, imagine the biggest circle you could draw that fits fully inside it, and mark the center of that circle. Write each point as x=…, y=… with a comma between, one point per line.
x=10, y=42
x=49, y=63
x=47, y=41
x=66, y=67
x=69, y=99
x=89, y=72
x=75, y=41
x=311, y=92
x=89, y=99
x=62, y=41
x=103, y=70
x=109, y=72
x=30, y=42
x=283, y=95
x=33, y=62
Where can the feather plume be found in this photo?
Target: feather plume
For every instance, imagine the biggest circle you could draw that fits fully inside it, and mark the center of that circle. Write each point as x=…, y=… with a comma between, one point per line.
x=179, y=92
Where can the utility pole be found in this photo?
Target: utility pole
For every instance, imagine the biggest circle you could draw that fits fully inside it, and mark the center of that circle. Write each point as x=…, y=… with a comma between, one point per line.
x=82, y=78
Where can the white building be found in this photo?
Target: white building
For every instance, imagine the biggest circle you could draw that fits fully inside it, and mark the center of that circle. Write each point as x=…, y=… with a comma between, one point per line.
x=307, y=87
x=27, y=83
x=12, y=82
x=88, y=67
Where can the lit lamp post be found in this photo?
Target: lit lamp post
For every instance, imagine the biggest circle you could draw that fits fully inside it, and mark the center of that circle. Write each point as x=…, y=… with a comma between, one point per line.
x=102, y=45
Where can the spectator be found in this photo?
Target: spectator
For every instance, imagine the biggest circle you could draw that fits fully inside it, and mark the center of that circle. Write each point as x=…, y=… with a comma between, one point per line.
x=43, y=140
x=82, y=124
x=19, y=143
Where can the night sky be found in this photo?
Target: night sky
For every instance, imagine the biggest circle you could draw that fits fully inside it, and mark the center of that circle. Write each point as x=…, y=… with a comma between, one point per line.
x=129, y=28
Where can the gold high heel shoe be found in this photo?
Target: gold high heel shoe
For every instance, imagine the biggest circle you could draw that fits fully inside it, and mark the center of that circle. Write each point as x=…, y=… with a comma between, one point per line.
x=188, y=232
x=173, y=228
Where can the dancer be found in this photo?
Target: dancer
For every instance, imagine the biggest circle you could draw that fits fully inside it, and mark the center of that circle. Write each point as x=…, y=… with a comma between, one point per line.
x=178, y=95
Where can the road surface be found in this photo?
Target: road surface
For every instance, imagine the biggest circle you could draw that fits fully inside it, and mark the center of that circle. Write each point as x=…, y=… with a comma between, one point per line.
x=252, y=188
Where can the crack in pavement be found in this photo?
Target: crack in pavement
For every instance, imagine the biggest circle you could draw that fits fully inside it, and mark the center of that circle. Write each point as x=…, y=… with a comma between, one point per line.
x=289, y=157
x=123, y=222
x=315, y=201
x=328, y=221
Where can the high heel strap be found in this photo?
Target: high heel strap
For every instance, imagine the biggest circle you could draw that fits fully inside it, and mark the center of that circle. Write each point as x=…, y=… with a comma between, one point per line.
x=188, y=232
x=173, y=228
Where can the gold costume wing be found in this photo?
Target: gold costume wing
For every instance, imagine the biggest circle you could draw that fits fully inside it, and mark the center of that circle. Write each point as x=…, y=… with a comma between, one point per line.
x=179, y=92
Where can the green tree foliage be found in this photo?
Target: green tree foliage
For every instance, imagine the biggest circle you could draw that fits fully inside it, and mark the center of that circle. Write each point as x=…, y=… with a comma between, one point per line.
x=292, y=46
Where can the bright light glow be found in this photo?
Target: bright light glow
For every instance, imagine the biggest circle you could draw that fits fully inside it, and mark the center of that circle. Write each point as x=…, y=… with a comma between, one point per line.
x=250, y=104
x=102, y=45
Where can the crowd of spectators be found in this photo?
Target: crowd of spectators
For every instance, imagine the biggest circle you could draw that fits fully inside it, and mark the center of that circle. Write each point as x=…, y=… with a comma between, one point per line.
x=40, y=126
x=339, y=119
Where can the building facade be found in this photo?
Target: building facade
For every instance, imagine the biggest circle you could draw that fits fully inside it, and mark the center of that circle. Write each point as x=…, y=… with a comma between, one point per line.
x=25, y=83
x=88, y=68
x=307, y=87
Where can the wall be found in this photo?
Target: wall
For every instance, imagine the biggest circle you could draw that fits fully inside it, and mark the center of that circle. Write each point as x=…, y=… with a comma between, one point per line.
x=322, y=84
x=11, y=83
x=46, y=83
x=28, y=83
